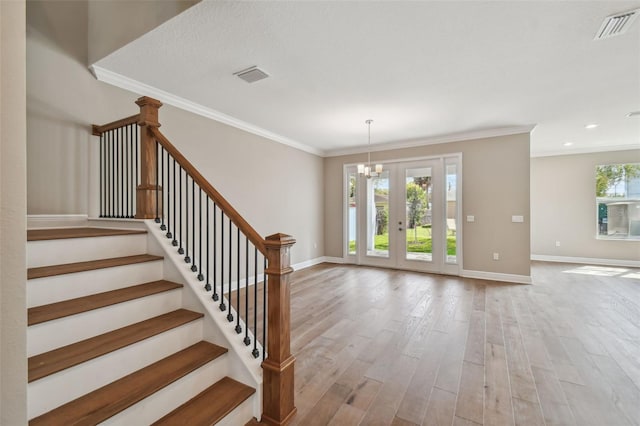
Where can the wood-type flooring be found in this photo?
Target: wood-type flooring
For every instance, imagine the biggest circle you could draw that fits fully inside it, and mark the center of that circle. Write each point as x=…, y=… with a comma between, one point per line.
x=386, y=347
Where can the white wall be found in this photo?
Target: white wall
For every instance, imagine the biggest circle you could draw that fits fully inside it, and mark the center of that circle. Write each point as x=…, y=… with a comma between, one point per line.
x=13, y=273
x=563, y=207
x=130, y=19
x=495, y=185
x=275, y=187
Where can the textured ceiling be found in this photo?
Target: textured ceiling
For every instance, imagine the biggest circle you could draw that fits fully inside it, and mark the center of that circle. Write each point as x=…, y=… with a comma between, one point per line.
x=420, y=70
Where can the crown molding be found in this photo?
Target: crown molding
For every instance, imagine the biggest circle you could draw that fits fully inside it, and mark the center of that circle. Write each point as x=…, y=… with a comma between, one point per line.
x=453, y=137
x=586, y=150
x=143, y=89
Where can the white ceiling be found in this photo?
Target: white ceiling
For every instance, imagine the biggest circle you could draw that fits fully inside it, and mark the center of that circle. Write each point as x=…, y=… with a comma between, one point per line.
x=421, y=70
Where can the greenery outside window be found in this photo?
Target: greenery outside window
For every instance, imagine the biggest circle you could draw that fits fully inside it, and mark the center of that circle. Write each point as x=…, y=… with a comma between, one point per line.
x=618, y=201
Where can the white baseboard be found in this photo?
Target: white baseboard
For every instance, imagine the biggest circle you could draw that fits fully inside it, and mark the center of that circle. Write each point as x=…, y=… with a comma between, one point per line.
x=330, y=259
x=496, y=276
x=316, y=261
x=586, y=260
x=55, y=220
x=493, y=276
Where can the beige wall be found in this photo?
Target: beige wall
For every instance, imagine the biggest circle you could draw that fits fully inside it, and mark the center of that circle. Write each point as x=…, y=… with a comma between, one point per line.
x=563, y=207
x=495, y=186
x=113, y=24
x=13, y=272
x=276, y=188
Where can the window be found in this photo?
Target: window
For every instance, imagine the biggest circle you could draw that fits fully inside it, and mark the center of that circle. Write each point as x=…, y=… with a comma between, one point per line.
x=618, y=201
x=352, y=230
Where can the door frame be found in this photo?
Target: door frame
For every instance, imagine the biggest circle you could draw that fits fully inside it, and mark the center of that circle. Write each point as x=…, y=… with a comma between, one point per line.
x=447, y=267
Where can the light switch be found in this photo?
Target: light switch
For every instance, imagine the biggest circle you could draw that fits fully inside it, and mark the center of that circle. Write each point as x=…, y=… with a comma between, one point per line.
x=471, y=218
x=517, y=219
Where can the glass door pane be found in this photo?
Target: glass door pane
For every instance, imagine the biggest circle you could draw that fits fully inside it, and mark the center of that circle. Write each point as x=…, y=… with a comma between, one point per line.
x=452, y=213
x=352, y=213
x=418, y=217
x=378, y=215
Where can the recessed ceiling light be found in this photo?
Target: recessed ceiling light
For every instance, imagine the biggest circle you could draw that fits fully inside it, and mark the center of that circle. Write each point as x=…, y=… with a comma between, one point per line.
x=567, y=144
x=634, y=114
x=591, y=126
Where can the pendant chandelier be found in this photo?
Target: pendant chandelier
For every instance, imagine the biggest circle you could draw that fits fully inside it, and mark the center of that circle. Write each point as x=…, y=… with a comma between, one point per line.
x=366, y=169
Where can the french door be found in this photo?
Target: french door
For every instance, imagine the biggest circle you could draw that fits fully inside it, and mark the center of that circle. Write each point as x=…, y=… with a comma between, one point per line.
x=406, y=217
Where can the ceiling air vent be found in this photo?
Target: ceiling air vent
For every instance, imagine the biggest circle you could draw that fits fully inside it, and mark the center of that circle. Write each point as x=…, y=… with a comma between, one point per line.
x=616, y=24
x=252, y=74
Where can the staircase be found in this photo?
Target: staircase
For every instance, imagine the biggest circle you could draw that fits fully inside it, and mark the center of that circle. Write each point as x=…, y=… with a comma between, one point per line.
x=110, y=340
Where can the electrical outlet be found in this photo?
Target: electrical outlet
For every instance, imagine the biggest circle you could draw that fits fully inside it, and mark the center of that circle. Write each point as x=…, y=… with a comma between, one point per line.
x=557, y=243
x=496, y=256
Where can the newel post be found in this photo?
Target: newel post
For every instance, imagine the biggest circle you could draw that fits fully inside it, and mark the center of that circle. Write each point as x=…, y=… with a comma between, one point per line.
x=146, y=191
x=277, y=385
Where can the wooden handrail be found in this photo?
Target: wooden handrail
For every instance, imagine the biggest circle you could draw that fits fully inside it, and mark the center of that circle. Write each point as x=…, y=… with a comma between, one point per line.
x=220, y=201
x=99, y=130
x=278, y=406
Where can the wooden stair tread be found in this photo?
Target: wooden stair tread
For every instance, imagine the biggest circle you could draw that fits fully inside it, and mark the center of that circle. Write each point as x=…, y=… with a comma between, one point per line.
x=69, y=268
x=210, y=406
x=39, y=314
x=59, y=359
x=78, y=232
x=105, y=402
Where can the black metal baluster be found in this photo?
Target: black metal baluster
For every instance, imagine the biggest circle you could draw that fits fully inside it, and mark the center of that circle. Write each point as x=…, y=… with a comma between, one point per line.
x=207, y=286
x=113, y=173
x=136, y=129
x=177, y=189
x=229, y=314
x=194, y=268
x=215, y=296
x=255, y=352
x=119, y=170
x=157, y=185
x=132, y=211
x=179, y=227
x=264, y=309
x=187, y=259
x=200, y=276
x=101, y=159
x=169, y=198
x=238, y=328
x=247, y=340
x=130, y=188
x=163, y=227
x=222, y=305
x=126, y=172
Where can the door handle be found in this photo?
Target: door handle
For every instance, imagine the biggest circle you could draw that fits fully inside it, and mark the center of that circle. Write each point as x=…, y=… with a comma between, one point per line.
x=399, y=229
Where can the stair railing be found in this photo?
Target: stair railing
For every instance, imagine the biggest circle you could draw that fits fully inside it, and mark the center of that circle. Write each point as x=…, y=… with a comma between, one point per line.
x=225, y=252
x=118, y=166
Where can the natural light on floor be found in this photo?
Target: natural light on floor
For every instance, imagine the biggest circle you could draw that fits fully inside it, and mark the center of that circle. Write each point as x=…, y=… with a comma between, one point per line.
x=604, y=271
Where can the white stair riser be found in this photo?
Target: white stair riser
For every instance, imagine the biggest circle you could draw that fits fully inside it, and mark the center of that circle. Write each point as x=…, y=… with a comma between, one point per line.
x=240, y=415
x=42, y=291
x=70, y=250
x=52, y=391
x=63, y=331
x=169, y=398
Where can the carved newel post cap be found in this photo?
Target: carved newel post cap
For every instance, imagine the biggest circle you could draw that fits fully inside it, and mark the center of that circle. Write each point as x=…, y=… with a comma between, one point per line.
x=279, y=239
x=146, y=100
